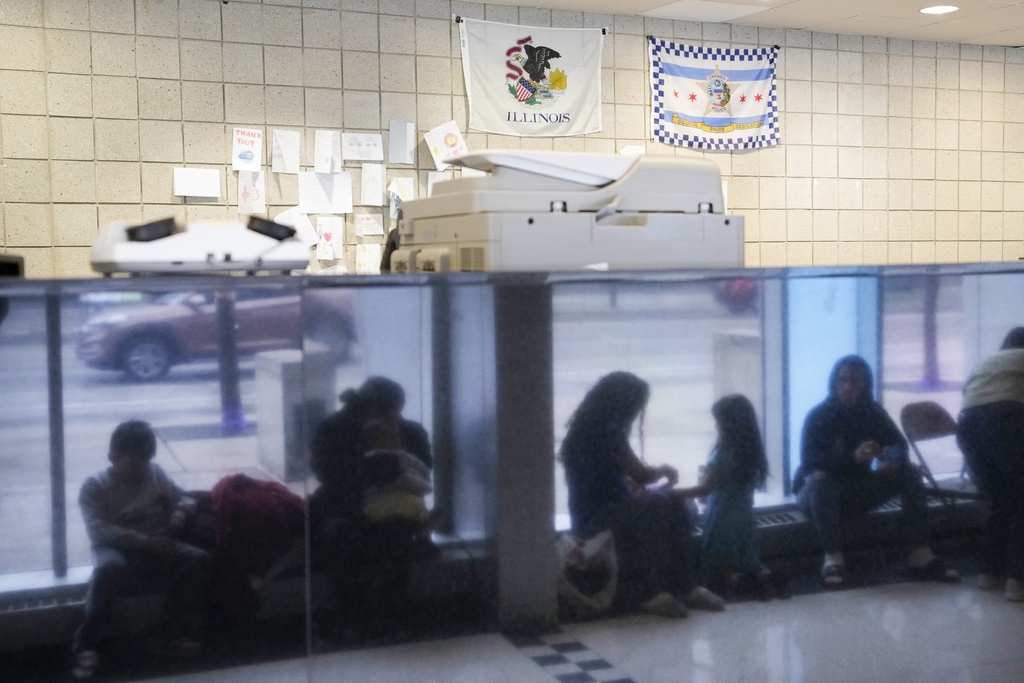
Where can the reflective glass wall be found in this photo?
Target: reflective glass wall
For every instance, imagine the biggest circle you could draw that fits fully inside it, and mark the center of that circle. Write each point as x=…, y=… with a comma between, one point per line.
x=692, y=341
x=288, y=407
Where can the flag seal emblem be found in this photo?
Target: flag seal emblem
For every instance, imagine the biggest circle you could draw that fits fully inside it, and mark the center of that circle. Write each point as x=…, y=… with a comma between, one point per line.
x=719, y=92
x=531, y=79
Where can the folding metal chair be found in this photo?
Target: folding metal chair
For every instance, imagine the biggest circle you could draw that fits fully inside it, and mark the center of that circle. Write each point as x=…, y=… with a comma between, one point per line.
x=928, y=420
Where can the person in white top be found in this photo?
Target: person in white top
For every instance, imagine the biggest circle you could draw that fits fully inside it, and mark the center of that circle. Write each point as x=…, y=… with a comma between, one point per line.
x=990, y=432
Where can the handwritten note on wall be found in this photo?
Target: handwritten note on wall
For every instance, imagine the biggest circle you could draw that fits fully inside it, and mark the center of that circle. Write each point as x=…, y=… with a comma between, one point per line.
x=246, y=149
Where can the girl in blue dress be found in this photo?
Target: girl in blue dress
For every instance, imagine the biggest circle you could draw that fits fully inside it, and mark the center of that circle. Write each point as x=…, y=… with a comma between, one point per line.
x=736, y=467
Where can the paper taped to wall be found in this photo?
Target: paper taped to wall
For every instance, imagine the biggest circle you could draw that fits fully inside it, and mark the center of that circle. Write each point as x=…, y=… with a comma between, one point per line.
x=197, y=182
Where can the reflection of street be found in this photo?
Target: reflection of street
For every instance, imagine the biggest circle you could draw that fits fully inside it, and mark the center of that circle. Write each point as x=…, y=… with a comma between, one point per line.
x=184, y=409
x=665, y=336
x=905, y=372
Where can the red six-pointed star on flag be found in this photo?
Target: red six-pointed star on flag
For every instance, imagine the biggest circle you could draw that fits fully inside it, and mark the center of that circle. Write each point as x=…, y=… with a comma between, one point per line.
x=743, y=98
x=693, y=96
x=676, y=93
x=757, y=97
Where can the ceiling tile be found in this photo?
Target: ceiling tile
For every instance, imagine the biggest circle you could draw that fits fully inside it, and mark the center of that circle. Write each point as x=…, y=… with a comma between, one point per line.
x=801, y=14
x=704, y=10
x=867, y=26
x=941, y=32
x=988, y=22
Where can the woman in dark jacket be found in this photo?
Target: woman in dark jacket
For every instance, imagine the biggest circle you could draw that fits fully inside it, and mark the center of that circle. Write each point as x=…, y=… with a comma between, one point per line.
x=842, y=437
x=608, y=490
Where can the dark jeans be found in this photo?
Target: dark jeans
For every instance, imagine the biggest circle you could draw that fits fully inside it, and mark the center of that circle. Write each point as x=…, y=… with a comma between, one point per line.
x=652, y=545
x=370, y=566
x=991, y=437
x=829, y=502
x=184, y=576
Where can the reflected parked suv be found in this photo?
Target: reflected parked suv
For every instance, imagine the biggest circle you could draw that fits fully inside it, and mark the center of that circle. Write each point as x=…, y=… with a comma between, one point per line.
x=145, y=340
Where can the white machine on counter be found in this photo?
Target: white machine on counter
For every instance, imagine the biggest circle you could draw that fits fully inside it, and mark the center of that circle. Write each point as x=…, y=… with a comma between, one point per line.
x=554, y=211
x=160, y=247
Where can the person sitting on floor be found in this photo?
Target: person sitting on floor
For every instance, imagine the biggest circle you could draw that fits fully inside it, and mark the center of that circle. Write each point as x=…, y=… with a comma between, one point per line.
x=842, y=437
x=395, y=479
x=368, y=528
x=610, y=488
x=134, y=514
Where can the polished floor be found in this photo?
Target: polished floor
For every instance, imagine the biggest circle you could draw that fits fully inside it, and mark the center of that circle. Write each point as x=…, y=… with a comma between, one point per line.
x=912, y=633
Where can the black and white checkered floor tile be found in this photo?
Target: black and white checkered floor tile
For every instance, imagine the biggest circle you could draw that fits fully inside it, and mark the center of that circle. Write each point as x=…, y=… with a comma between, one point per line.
x=569, y=660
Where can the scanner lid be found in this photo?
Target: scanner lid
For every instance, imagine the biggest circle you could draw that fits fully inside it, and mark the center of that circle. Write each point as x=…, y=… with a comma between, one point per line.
x=594, y=170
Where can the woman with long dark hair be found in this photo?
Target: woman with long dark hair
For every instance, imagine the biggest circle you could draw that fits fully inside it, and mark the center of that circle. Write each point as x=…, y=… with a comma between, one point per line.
x=609, y=490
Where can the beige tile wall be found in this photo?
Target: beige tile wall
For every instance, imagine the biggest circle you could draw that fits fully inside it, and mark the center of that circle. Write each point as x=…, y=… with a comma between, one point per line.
x=895, y=151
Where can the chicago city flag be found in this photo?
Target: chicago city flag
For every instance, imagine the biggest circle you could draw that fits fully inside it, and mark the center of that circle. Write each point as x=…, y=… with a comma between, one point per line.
x=713, y=98
x=528, y=80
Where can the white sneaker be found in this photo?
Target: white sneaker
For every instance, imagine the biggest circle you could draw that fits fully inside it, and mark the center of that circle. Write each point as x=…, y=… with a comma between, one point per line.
x=86, y=662
x=1014, y=591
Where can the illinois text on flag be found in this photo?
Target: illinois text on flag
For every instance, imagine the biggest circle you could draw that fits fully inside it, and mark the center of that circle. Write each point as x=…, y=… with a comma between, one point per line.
x=713, y=98
x=528, y=80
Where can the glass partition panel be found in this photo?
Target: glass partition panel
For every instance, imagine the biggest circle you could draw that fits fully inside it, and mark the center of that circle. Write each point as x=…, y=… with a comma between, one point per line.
x=827, y=317
x=191, y=362
x=992, y=306
x=692, y=341
x=25, y=489
x=379, y=572
x=426, y=506
x=924, y=332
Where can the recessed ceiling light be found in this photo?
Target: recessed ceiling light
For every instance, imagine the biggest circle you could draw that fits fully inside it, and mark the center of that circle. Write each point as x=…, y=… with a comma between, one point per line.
x=939, y=9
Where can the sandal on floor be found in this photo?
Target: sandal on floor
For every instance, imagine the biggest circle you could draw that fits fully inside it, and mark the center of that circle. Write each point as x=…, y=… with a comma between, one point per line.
x=833, y=576
x=936, y=570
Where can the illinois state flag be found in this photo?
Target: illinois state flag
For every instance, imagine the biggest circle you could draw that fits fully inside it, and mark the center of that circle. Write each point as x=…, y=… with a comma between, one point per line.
x=713, y=98
x=527, y=80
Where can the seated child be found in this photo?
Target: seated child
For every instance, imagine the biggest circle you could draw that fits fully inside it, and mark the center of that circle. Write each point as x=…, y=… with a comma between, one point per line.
x=133, y=513
x=395, y=480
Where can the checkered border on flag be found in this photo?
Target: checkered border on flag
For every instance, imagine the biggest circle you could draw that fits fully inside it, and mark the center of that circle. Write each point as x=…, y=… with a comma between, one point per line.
x=660, y=47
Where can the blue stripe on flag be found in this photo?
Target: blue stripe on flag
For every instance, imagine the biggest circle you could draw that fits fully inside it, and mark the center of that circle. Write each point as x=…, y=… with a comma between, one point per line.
x=696, y=74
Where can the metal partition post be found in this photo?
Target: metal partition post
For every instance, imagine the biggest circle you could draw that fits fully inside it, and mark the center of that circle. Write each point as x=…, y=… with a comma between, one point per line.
x=869, y=326
x=55, y=378
x=444, y=450
x=232, y=418
x=775, y=388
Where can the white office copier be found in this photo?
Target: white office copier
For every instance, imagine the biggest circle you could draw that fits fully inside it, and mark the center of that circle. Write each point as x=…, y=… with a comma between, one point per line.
x=565, y=211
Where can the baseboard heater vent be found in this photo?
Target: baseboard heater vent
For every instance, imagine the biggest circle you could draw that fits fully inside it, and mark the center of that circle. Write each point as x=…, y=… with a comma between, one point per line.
x=765, y=520
x=40, y=604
